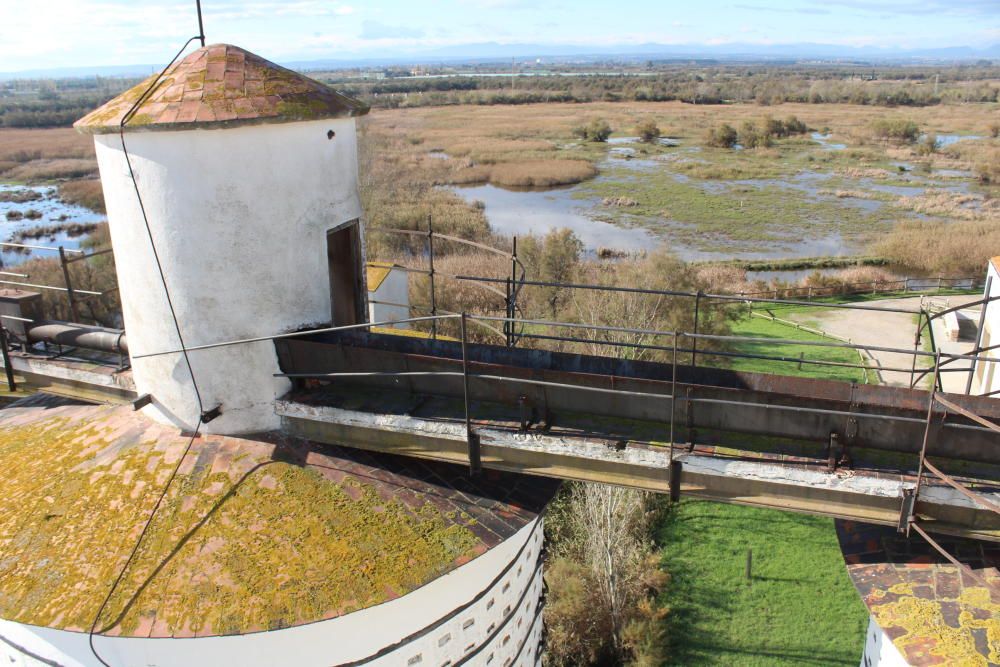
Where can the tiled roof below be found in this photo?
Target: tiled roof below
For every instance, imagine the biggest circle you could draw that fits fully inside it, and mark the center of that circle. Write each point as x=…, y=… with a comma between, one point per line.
x=933, y=613
x=220, y=86
x=255, y=534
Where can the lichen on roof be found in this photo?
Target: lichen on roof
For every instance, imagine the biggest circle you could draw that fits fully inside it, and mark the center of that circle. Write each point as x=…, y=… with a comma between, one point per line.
x=221, y=86
x=933, y=613
x=253, y=535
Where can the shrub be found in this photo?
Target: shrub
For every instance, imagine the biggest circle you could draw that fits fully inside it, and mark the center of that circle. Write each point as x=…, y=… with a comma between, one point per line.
x=648, y=131
x=751, y=136
x=928, y=145
x=895, y=130
x=598, y=130
x=724, y=136
x=795, y=126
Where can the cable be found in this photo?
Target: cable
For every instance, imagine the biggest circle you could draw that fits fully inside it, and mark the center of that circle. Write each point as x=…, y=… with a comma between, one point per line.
x=180, y=337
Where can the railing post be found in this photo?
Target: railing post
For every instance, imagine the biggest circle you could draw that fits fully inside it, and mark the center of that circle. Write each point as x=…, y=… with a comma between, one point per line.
x=979, y=336
x=916, y=348
x=928, y=431
x=472, y=439
x=938, y=382
x=69, y=285
x=430, y=252
x=8, y=369
x=507, y=322
x=694, y=341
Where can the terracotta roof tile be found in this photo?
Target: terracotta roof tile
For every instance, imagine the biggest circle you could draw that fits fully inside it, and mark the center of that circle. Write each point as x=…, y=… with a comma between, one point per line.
x=228, y=86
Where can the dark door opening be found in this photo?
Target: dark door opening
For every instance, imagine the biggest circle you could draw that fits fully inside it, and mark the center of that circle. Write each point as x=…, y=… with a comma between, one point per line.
x=343, y=253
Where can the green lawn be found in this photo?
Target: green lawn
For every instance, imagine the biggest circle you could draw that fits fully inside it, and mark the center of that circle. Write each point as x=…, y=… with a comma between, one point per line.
x=761, y=328
x=799, y=608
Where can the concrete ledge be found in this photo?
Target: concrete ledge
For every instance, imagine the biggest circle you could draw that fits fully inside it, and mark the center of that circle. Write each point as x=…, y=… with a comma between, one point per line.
x=776, y=484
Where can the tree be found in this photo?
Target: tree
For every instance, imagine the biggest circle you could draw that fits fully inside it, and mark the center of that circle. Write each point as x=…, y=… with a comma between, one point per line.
x=552, y=258
x=649, y=312
x=603, y=578
x=648, y=131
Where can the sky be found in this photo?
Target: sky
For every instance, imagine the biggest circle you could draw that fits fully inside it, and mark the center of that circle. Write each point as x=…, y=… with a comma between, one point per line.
x=72, y=33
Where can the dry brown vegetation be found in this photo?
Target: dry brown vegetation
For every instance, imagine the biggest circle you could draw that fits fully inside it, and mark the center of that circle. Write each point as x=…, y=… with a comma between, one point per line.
x=45, y=154
x=954, y=205
x=959, y=248
x=87, y=193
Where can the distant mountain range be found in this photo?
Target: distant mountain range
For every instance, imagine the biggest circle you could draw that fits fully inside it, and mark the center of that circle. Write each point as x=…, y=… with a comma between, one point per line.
x=487, y=52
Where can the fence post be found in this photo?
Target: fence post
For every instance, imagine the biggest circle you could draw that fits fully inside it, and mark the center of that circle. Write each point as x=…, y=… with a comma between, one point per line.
x=430, y=251
x=8, y=369
x=69, y=285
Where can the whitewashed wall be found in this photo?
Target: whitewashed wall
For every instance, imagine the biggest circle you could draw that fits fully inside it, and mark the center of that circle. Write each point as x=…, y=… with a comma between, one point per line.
x=987, y=373
x=393, y=290
x=486, y=612
x=879, y=649
x=239, y=217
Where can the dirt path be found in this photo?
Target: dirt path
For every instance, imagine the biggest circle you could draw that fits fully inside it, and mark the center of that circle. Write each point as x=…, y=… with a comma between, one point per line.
x=887, y=329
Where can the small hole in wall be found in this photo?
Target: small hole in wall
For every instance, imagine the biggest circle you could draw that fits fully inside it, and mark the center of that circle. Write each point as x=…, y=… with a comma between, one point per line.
x=330, y=134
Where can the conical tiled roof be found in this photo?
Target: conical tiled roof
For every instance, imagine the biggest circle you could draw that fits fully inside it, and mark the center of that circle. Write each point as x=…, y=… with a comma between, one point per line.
x=221, y=86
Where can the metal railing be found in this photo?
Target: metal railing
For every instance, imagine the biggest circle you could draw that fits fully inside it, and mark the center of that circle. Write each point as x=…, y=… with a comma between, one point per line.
x=908, y=514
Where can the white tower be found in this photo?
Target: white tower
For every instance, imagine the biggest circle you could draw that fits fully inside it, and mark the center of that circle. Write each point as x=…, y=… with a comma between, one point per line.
x=244, y=168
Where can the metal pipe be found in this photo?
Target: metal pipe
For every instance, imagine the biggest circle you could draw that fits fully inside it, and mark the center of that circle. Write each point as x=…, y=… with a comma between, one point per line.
x=58, y=289
x=39, y=247
x=78, y=335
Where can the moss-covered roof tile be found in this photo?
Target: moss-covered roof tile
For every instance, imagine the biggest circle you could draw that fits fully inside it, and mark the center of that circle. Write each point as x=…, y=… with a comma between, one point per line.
x=221, y=86
x=254, y=534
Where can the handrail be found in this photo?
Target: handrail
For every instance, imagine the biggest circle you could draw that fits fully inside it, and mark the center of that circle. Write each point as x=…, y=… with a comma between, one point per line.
x=40, y=247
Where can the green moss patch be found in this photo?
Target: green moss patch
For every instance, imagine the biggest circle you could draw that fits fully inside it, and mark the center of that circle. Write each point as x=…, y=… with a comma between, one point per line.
x=248, y=544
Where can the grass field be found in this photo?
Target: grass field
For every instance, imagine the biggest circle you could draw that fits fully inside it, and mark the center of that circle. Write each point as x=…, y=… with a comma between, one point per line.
x=761, y=328
x=799, y=607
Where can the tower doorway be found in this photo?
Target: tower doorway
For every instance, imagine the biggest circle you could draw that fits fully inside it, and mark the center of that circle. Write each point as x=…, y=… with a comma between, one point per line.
x=343, y=253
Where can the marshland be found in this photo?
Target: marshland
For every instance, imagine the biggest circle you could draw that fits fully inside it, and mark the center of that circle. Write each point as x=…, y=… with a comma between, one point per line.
x=714, y=178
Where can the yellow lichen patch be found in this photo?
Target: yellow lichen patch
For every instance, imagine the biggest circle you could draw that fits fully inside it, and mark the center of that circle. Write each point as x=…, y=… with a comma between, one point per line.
x=276, y=545
x=926, y=632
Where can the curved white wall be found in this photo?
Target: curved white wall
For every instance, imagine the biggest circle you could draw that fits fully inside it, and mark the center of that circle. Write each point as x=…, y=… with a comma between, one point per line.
x=486, y=612
x=239, y=217
x=879, y=649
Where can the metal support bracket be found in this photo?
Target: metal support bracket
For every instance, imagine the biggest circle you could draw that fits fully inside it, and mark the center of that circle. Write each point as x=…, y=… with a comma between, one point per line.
x=906, y=511
x=209, y=415
x=676, y=466
x=475, y=459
